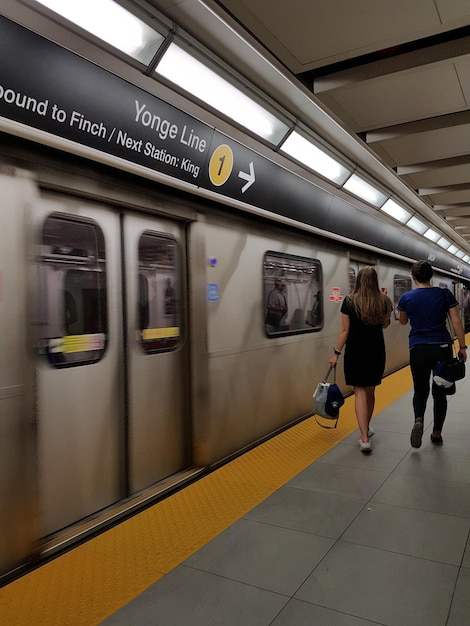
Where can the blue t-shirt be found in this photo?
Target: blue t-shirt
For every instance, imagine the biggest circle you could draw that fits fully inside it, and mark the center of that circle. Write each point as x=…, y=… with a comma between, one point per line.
x=427, y=309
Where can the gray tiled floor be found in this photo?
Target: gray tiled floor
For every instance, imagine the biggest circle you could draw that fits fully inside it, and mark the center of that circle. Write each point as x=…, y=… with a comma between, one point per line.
x=350, y=541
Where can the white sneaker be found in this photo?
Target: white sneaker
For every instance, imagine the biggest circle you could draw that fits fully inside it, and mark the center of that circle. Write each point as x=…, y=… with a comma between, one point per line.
x=371, y=432
x=364, y=446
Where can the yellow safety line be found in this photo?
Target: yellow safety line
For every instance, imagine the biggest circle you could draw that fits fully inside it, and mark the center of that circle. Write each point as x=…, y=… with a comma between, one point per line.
x=91, y=582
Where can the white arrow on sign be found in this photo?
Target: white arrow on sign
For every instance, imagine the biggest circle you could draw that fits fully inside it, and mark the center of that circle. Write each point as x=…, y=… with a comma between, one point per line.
x=250, y=178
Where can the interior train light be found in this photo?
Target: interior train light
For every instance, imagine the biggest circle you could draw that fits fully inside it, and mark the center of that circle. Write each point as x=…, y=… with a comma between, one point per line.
x=417, y=225
x=111, y=23
x=364, y=190
x=317, y=160
x=432, y=235
x=195, y=77
x=396, y=211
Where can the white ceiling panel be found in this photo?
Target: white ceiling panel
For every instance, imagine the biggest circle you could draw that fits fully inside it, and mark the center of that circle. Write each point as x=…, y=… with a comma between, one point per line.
x=402, y=97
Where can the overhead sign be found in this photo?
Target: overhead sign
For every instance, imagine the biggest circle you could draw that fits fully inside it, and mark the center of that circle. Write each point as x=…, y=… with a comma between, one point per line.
x=52, y=89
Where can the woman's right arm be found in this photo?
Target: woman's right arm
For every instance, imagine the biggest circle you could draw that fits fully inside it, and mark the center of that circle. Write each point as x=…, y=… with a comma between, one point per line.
x=459, y=331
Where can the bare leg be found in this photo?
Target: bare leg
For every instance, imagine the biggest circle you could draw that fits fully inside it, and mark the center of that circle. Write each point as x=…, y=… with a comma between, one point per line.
x=364, y=398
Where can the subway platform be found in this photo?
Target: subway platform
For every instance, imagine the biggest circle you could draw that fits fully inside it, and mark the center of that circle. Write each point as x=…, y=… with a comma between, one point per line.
x=302, y=530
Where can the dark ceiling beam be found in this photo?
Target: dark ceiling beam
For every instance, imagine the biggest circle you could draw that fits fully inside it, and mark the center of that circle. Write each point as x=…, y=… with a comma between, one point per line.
x=431, y=191
x=403, y=170
x=394, y=60
x=418, y=126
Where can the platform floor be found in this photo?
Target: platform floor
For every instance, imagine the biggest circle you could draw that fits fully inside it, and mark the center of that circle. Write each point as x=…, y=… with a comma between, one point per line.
x=302, y=530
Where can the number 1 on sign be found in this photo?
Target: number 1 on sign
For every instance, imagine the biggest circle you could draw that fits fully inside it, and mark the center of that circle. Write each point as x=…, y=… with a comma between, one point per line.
x=221, y=165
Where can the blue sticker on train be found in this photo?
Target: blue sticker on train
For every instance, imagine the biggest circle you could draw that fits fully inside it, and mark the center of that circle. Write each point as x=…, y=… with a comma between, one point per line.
x=212, y=292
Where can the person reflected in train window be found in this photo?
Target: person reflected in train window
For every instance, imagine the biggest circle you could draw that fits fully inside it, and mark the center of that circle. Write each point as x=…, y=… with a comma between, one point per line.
x=314, y=315
x=364, y=315
x=170, y=301
x=277, y=309
x=427, y=308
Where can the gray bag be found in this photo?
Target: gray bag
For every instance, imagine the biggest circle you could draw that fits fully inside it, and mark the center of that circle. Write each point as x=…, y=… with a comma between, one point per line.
x=328, y=400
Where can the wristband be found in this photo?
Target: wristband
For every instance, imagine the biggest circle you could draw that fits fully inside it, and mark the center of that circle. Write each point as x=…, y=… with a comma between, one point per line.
x=337, y=352
x=462, y=347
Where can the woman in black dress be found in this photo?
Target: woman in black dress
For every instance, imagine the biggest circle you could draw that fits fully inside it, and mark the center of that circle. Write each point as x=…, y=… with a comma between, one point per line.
x=365, y=313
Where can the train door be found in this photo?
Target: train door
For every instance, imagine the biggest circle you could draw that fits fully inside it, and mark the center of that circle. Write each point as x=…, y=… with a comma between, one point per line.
x=157, y=352
x=80, y=374
x=111, y=378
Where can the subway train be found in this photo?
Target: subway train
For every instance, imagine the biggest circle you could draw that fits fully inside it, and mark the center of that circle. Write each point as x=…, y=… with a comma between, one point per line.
x=137, y=347
x=138, y=259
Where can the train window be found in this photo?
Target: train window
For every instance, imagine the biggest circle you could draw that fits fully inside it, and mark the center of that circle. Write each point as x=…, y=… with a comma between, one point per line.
x=401, y=284
x=159, y=293
x=293, y=294
x=72, y=274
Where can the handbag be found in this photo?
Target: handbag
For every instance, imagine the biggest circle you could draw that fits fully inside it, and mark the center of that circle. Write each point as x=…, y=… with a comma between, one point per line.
x=328, y=400
x=456, y=369
x=447, y=372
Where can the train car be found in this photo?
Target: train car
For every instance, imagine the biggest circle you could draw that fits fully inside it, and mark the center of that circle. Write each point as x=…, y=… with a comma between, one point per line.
x=137, y=349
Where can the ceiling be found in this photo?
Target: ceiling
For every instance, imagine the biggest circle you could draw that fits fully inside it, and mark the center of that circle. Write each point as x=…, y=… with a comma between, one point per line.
x=394, y=72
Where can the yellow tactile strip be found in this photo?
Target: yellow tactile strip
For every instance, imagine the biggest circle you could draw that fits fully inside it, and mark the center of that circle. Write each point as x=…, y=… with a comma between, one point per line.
x=89, y=583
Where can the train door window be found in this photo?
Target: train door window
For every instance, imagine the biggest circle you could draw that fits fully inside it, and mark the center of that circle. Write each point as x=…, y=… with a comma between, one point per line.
x=401, y=284
x=73, y=324
x=159, y=293
x=293, y=294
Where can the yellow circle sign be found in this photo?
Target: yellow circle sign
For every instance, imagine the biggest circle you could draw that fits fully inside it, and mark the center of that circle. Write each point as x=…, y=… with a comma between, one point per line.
x=221, y=165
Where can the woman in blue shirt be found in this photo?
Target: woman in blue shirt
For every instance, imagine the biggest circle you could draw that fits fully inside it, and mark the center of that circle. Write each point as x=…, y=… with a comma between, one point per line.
x=426, y=308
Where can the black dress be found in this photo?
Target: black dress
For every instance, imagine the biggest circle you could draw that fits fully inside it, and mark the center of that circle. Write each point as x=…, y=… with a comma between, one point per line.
x=364, y=356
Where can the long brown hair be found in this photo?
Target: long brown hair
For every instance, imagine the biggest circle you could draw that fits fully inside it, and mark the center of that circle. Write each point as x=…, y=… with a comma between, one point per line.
x=371, y=305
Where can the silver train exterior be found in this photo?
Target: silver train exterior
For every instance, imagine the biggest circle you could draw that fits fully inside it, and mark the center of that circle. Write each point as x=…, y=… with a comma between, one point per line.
x=134, y=350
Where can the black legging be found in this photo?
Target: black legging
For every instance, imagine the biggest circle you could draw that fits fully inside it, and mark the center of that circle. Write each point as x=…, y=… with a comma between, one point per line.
x=423, y=359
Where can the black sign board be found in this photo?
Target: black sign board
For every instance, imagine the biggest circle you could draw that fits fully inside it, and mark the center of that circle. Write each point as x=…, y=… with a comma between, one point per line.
x=49, y=88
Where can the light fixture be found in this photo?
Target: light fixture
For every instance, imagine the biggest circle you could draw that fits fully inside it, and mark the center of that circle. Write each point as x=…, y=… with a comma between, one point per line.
x=393, y=209
x=453, y=249
x=431, y=234
x=111, y=23
x=466, y=258
x=364, y=190
x=190, y=74
x=304, y=151
x=443, y=243
x=460, y=254
x=417, y=225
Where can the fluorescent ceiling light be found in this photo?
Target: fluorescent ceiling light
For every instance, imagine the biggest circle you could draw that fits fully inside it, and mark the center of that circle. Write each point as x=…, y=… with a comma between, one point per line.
x=393, y=209
x=453, y=249
x=443, y=243
x=110, y=22
x=193, y=76
x=431, y=234
x=417, y=225
x=466, y=258
x=460, y=254
x=364, y=190
x=307, y=153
